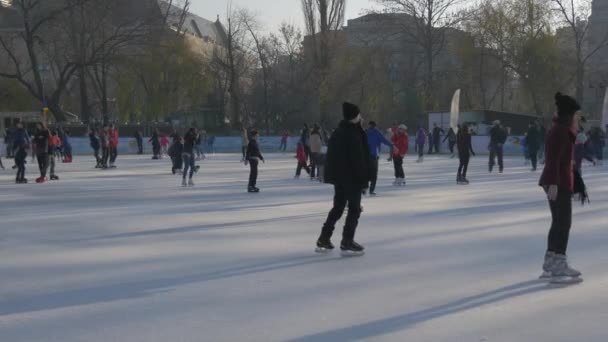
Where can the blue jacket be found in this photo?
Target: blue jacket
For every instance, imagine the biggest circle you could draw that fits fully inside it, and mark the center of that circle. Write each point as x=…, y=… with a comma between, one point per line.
x=374, y=140
x=20, y=138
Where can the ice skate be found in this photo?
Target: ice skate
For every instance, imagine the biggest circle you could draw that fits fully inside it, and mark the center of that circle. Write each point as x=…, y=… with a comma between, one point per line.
x=372, y=194
x=54, y=177
x=557, y=270
x=253, y=190
x=184, y=184
x=190, y=182
x=351, y=248
x=324, y=246
x=41, y=180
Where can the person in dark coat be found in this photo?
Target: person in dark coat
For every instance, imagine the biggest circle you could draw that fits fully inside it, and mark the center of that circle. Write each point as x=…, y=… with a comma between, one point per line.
x=437, y=132
x=155, y=140
x=253, y=157
x=451, y=138
x=347, y=168
x=533, y=140
x=557, y=181
x=139, y=138
x=41, y=140
x=598, y=140
x=190, y=140
x=498, y=137
x=465, y=150
x=96, y=146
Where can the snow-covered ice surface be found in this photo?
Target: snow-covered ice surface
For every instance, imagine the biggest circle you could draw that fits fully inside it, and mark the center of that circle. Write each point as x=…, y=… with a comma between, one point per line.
x=128, y=255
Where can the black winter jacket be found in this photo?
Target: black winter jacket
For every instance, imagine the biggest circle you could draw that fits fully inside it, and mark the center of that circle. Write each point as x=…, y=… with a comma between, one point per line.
x=348, y=161
x=253, y=151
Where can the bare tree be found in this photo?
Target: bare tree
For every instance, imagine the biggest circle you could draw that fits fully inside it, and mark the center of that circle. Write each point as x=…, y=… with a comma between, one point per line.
x=426, y=23
x=574, y=14
x=323, y=18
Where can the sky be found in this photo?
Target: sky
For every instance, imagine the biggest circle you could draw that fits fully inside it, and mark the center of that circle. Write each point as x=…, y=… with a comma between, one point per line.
x=271, y=12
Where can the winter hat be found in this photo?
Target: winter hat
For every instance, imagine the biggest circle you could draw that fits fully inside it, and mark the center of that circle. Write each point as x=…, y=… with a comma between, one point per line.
x=403, y=127
x=566, y=105
x=350, y=111
x=253, y=133
x=496, y=122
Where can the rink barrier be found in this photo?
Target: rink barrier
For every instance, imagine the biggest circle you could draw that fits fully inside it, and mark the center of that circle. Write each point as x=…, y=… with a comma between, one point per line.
x=81, y=146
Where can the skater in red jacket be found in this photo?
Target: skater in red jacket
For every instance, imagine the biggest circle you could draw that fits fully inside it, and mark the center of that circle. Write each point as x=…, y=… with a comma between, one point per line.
x=301, y=156
x=401, y=141
x=558, y=181
x=113, y=137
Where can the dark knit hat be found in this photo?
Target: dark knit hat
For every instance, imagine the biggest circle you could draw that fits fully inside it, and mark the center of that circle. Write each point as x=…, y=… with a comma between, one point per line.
x=566, y=105
x=350, y=111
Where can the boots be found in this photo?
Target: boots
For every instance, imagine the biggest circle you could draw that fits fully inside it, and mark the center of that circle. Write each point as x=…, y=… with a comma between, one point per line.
x=556, y=265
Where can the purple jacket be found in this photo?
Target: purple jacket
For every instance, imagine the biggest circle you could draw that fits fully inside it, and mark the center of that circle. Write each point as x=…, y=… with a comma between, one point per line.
x=421, y=136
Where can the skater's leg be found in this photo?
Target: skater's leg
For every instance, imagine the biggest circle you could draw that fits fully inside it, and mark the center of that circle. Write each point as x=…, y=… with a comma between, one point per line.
x=561, y=222
x=374, y=175
x=396, y=166
x=336, y=212
x=253, y=174
x=192, y=167
x=533, y=156
x=465, y=165
x=499, y=153
x=354, y=213
x=313, y=165
x=299, y=169
x=244, y=150
x=52, y=166
x=492, y=157
x=186, y=157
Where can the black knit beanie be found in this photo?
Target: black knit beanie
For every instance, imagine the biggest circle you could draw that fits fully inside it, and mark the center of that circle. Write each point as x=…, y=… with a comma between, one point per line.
x=566, y=106
x=350, y=111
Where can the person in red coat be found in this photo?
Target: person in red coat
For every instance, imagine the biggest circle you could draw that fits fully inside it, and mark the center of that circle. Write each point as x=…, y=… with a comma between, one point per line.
x=301, y=156
x=557, y=180
x=401, y=143
x=113, y=137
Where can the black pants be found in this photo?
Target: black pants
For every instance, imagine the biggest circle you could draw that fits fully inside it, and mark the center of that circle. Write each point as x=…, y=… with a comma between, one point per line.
x=156, y=151
x=253, y=173
x=561, y=221
x=437, y=145
x=496, y=151
x=97, y=157
x=302, y=165
x=533, y=151
x=20, y=162
x=105, y=156
x=314, y=165
x=140, y=146
x=244, y=150
x=373, y=173
x=451, y=144
x=113, y=154
x=464, y=164
x=398, y=164
x=342, y=197
x=43, y=163
x=51, y=164
x=420, y=148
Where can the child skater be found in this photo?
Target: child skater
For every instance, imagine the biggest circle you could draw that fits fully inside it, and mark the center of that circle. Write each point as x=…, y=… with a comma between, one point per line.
x=301, y=156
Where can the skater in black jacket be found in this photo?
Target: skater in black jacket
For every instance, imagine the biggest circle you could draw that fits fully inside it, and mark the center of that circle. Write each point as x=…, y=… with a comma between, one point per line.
x=348, y=168
x=96, y=146
x=465, y=150
x=253, y=157
x=451, y=138
x=498, y=137
x=190, y=140
x=41, y=140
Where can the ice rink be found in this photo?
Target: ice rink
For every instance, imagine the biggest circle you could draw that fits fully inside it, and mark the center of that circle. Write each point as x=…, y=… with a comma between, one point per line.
x=128, y=255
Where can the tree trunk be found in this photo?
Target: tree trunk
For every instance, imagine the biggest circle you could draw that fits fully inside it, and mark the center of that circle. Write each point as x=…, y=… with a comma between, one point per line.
x=84, y=95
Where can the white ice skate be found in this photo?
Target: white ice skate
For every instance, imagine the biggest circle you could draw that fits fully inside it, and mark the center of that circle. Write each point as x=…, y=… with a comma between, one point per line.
x=190, y=183
x=557, y=271
x=184, y=184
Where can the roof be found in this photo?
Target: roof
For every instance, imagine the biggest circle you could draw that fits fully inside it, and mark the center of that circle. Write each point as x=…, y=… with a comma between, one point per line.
x=195, y=25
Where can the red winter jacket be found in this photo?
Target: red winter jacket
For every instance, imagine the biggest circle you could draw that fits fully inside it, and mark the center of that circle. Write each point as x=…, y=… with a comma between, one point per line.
x=559, y=152
x=113, y=135
x=402, y=144
x=301, y=154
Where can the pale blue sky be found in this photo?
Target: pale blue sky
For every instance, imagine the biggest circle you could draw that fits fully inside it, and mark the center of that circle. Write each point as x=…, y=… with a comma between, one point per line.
x=270, y=12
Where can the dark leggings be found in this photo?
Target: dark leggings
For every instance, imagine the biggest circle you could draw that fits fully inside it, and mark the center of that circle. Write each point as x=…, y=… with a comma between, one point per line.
x=302, y=165
x=342, y=197
x=561, y=221
x=464, y=164
x=398, y=164
x=253, y=174
x=43, y=163
x=452, y=144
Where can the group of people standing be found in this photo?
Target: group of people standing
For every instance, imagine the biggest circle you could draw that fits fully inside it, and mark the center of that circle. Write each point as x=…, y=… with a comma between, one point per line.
x=104, y=142
x=46, y=145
